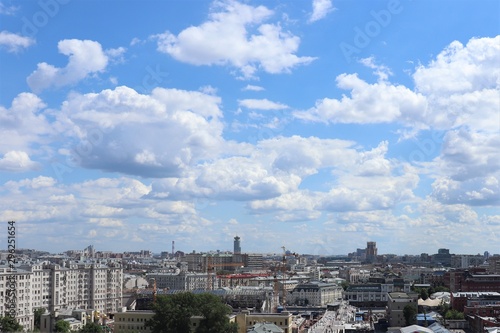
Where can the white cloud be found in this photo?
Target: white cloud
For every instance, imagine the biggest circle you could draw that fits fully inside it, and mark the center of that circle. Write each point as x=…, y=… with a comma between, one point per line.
x=461, y=69
x=369, y=103
x=383, y=72
x=261, y=104
x=14, y=42
x=225, y=40
x=156, y=135
x=74, y=209
x=86, y=57
x=321, y=8
x=23, y=125
x=17, y=161
x=459, y=88
x=468, y=169
x=250, y=87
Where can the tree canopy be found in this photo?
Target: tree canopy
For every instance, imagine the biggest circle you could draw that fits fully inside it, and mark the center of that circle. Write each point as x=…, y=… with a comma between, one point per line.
x=173, y=313
x=410, y=314
x=91, y=328
x=37, y=315
x=9, y=324
x=62, y=326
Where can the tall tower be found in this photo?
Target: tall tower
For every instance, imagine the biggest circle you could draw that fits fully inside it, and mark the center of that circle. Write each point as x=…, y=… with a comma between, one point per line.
x=371, y=251
x=237, y=245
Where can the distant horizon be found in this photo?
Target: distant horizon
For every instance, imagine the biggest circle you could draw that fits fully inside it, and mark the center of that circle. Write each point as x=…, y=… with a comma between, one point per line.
x=317, y=125
x=267, y=253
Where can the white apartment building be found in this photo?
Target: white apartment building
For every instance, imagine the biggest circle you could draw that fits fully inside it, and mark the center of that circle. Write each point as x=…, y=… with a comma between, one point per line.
x=53, y=287
x=315, y=294
x=373, y=292
x=23, y=291
x=182, y=280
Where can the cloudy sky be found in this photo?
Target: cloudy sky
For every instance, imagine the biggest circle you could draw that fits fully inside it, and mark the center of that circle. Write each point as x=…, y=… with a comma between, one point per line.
x=316, y=125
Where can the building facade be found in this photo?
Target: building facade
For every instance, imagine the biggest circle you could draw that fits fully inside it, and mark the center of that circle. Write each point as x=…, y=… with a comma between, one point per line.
x=315, y=294
x=54, y=287
x=395, y=307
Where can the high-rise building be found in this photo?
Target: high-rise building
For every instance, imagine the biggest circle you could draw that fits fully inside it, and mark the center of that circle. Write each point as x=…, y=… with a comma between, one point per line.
x=83, y=285
x=237, y=245
x=371, y=251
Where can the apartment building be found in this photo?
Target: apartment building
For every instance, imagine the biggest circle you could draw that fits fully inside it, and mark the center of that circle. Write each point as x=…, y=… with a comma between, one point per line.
x=395, y=306
x=315, y=294
x=16, y=282
x=373, y=294
x=182, y=280
x=246, y=320
x=54, y=287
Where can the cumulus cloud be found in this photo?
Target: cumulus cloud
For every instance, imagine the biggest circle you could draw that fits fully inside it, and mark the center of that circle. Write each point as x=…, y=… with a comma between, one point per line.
x=321, y=8
x=261, y=104
x=72, y=210
x=460, y=87
x=14, y=42
x=155, y=135
x=23, y=125
x=17, y=161
x=270, y=175
x=380, y=102
x=226, y=39
x=86, y=57
x=468, y=169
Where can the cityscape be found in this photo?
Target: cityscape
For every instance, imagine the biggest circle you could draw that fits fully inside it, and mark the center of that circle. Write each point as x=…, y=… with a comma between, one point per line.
x=249, y=166
x=362, y=291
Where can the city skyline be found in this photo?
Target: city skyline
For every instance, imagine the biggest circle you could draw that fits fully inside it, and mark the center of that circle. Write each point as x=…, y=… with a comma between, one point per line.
x=314, y=125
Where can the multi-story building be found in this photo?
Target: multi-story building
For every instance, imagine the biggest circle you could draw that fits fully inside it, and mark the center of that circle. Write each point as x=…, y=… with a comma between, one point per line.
x=253, y=261
x=466, y=260
x=373, y=294
x=54, y=287
x=494, y=264
x=315, y=294
x=395, y=306
x=182, y=280
x=16, y=292
x=467, y=280
x=443, y=257
x=135, y=322
x=371, y=251
x=132, y=321
x=246, y=320
x=460, y=300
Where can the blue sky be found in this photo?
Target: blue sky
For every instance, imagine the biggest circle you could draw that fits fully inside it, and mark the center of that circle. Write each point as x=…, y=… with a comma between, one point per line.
x=316, y=125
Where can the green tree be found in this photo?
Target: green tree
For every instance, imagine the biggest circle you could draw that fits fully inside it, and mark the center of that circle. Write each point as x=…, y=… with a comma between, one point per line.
x=92, y=328
x=453, y=314
x=173, y=314
x=9, y=324
x=37, y=315
x=215, y=315
x=62, y=326
x=423, y=294
x=410, y=314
